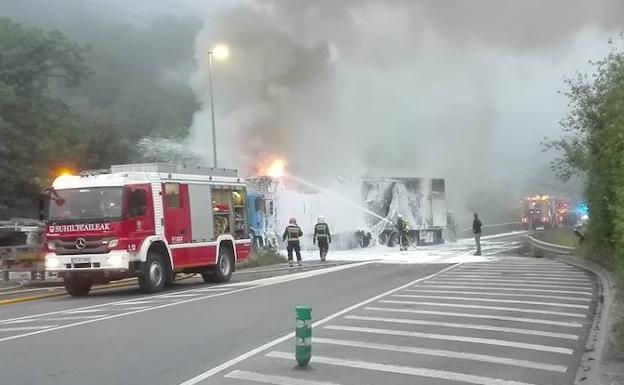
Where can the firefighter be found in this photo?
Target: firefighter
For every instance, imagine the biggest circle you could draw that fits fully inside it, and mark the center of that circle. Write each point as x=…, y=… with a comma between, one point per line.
x=476, y=229
x=292, y=235
x=323, y=236
x=402, y=227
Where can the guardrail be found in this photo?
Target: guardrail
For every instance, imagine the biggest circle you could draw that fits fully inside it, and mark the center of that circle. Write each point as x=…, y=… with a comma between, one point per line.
x=549, y=247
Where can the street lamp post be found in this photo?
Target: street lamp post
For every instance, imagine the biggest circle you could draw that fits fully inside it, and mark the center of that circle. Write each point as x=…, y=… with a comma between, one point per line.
x=220, y=52
x=212, y=112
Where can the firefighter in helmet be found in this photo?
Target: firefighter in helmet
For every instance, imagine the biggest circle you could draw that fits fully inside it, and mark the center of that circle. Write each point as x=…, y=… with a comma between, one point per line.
x=402, y=227
x=292, y=235
x=322, y=236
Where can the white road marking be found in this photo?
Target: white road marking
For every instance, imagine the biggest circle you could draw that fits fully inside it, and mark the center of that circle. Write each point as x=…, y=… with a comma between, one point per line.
x=20, y=321
x=529, y=332
x=75, y=317
x=539, y=272
x=219, y=368
x=265, y=282
x=481, y=287
x=270, y=379
x=132, y=303
x=83, y=311
x=524, y=278
x=444, y=353
x=246, y=285
x=555, y=304
x=134, y=308
x=484, y=316
x=449, y=337
x=584, y=284
x=184, y=295
x=407, y=370
x=214, y=289
x=24, y=328
x=523, y=295
x=515, y=309
x=511, y=285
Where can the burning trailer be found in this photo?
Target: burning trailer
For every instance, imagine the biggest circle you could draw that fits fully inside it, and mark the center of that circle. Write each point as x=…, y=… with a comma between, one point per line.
x=361, y=211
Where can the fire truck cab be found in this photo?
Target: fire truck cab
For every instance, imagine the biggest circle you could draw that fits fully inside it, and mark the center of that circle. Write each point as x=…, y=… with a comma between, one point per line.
x=149, y=221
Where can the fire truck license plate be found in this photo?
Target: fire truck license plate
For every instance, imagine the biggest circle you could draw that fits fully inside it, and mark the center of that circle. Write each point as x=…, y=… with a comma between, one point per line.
x=81, y=260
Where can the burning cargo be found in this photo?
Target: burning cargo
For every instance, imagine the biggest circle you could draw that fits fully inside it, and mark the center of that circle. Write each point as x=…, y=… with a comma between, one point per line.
x=361, y=211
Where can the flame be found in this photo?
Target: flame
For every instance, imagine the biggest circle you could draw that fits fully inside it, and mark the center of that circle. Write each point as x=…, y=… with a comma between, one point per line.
x=276, y=169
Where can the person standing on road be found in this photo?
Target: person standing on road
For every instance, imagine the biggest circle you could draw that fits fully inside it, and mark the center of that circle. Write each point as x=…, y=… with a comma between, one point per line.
x=402, y=227
x=323, y=236
x=292, y=235
x=476, y=229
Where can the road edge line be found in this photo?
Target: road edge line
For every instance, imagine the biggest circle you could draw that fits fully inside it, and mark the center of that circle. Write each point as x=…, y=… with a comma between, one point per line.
x=228, y=364
x=591, y=360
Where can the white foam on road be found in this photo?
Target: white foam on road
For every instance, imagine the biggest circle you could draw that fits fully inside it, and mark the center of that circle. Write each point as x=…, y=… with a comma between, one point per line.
x=530, y=332
x=556, y=304
x=406, y=370
x=444, y=353
x=480, y=316
x=523, y=295
x=271, y=379
x=481, y=307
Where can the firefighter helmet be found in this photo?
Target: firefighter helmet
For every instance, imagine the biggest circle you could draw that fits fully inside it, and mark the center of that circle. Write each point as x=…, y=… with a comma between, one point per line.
x=321, y=219
x=292, y=221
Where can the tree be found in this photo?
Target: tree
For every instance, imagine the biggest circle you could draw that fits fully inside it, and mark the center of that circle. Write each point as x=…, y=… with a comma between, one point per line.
x=593, y=144
x=36, y=129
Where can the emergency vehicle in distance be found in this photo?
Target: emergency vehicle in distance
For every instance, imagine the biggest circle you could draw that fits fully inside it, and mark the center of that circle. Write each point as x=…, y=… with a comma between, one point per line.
x=149, y=221
x=537, y=212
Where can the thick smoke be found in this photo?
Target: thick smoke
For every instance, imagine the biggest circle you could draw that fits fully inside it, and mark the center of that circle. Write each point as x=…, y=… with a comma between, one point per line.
x=460, y=89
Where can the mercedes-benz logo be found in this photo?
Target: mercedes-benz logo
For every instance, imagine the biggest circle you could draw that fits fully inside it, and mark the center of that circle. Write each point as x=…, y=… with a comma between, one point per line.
x=81, y=243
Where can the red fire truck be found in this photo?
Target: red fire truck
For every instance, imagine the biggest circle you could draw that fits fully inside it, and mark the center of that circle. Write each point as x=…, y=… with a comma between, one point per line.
x=149, y=221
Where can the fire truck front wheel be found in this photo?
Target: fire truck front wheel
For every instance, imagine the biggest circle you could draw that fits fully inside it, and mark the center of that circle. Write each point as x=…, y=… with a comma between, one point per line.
x=225, y=266
x=77, y=286
x=153, y=273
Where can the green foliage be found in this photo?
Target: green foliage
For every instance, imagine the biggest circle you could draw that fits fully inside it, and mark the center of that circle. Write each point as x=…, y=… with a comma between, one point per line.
x=593, y=144
x=36, y=128
x=86, y=104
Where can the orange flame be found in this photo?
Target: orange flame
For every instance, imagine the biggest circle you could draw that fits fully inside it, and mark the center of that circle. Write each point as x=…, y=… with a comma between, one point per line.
x=276, y=169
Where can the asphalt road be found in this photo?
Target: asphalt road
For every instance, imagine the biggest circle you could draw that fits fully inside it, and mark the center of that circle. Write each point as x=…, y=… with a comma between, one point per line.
x=510, y=321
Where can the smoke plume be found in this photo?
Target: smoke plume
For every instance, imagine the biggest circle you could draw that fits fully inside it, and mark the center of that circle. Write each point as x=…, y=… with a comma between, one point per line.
x=460, y=89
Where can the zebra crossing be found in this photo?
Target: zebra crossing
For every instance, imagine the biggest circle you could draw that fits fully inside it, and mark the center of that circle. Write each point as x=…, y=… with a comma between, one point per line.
x=512, y=321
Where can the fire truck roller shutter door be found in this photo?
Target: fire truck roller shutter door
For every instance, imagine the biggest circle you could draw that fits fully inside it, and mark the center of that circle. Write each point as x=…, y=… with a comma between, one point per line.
x=201, y=212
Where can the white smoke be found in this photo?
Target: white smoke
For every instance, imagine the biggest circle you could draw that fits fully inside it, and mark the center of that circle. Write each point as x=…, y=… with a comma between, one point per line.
x=464, y=90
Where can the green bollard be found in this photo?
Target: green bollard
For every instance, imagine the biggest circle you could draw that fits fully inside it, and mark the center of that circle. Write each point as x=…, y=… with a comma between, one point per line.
x=303, y=334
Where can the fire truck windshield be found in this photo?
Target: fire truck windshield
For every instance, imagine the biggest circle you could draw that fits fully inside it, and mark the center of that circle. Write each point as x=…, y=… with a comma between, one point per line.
x=86, y=204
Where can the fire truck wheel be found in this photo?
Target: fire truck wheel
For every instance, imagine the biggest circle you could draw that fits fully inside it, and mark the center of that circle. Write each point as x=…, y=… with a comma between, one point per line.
x=78, y=286
x=225, y=265
x=153, y=273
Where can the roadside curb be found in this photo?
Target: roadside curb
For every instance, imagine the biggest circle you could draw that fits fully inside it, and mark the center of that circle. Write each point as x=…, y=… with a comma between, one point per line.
x=591, y=368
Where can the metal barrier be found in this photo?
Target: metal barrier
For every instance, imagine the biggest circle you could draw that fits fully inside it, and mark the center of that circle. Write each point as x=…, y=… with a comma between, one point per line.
x=535, y=243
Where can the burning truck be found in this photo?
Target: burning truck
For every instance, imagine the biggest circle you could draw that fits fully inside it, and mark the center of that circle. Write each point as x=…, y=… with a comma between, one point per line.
x=361, y=211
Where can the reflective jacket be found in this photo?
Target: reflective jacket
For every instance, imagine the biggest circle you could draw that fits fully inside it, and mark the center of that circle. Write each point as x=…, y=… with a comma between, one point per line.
x=321, y=232
x=292, y=233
